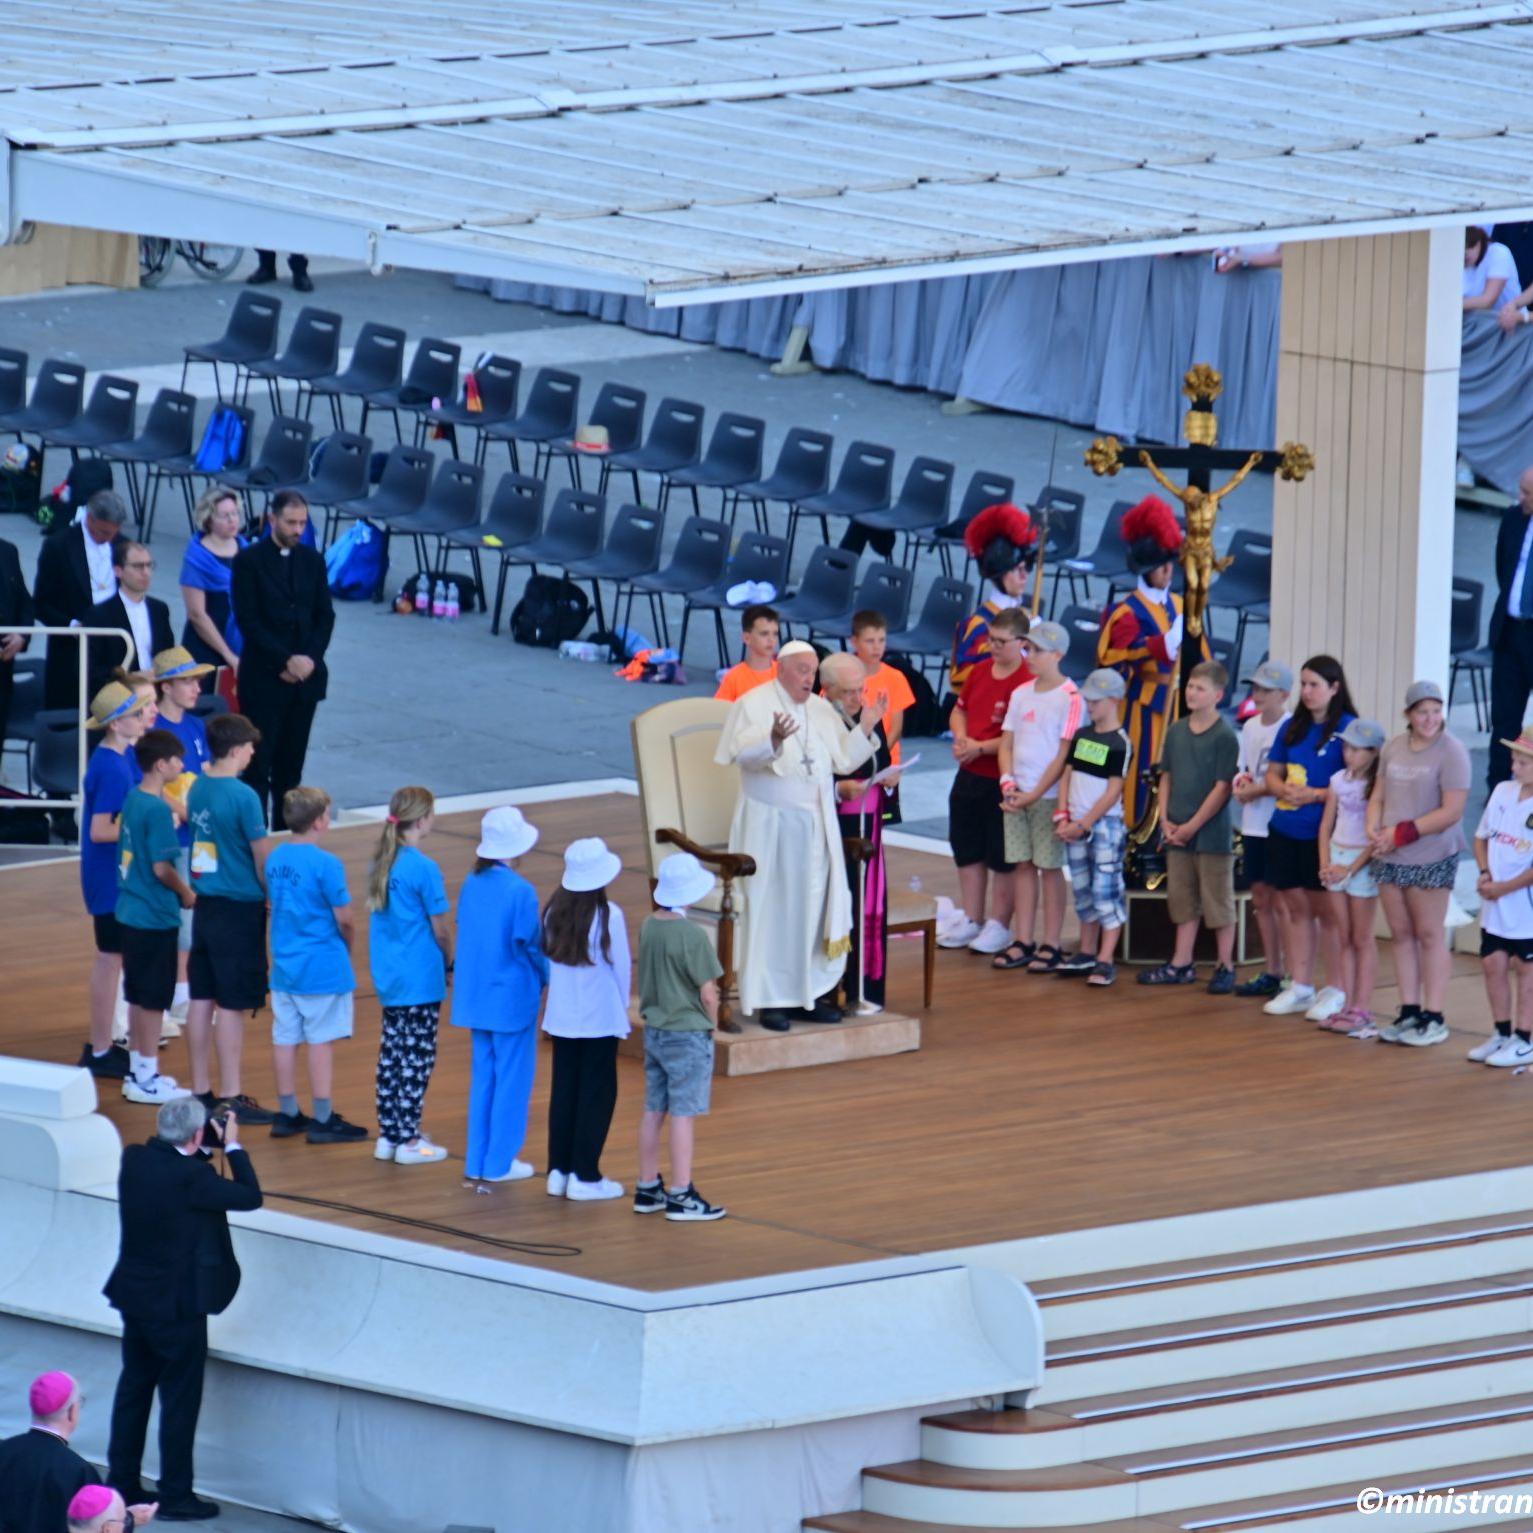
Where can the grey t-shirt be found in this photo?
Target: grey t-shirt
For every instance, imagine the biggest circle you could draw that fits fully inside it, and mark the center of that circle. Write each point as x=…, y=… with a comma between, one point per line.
x=1412, y=783
x=1196, y=762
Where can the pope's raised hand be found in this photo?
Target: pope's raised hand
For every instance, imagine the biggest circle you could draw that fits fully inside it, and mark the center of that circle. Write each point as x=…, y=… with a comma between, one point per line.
x=783, y=725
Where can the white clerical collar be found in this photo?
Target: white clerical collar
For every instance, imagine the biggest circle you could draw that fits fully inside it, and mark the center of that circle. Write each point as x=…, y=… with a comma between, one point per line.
x=1154, y=594
x=1000, y=600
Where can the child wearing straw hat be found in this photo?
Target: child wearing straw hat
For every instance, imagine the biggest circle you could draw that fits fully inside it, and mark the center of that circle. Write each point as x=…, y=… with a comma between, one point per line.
x=585, y=939
x=1503, y=849
x=679, y=998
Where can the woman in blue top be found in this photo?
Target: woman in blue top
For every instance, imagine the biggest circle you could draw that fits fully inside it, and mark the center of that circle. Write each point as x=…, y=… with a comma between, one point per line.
x=207, y=572
x=410, y=951
x=501, y=975
x=1305, y=756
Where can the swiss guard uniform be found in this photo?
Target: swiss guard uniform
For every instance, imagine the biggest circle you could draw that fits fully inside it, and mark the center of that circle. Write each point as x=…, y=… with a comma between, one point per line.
x=1001, y=538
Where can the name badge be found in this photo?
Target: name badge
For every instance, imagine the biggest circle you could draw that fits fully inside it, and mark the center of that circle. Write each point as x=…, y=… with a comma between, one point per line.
x=1094, y=752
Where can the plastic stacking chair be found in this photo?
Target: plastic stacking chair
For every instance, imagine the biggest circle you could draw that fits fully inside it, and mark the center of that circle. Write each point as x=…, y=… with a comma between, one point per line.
x=948, y=603
x=759, y=558
x=826, y=591
x=401, y=490
x=1107, y=561
x=983, y=489
x=283, y=462
x=1246, y=587
x=54, y=767
x=182, y=467
x=633, y=549
x=376, y=367
x=553, y=403
x=674, y=440
x=572, y=532
x=924, y=501
x=57, y=396
x=1465, y=648
x=1084, y=625
x=313, y=352
x=733, y=458
x=514, y=518
x=620, y=409
x=698, y=560
x=802, y=470
x=340, y=465
x=167, y=434
x=863, y=486
x=251, y=336
x=109, y=417
x=452, y=505
x=884, y=588
x=13, y=384
x=433, y=374
x=497, y=380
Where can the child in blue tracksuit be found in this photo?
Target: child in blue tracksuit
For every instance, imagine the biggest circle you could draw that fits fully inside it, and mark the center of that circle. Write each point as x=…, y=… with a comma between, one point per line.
x=501, y=973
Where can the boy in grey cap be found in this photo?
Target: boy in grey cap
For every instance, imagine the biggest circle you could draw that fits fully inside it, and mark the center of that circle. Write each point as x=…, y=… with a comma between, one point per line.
x=1271, y=684
x=1090, y=822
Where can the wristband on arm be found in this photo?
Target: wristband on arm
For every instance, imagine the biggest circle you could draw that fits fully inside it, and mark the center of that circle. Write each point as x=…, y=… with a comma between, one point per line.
x=1008, y=781
x=1406, y=832
x=1061, y=816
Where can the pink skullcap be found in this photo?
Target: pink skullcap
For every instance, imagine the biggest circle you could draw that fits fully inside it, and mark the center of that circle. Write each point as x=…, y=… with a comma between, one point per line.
x=90, y=1501
x=50, y=1392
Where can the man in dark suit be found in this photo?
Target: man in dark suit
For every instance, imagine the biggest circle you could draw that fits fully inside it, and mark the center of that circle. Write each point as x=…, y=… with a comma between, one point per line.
x=1511, y=628
x=175, y=1267
x=74, y=572
x=133, y=610
x=15, y=609
x=39, y=1471
x=282, y=604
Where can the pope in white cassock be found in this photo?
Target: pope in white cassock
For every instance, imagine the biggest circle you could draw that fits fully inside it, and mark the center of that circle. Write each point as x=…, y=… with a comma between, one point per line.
x=797, y=924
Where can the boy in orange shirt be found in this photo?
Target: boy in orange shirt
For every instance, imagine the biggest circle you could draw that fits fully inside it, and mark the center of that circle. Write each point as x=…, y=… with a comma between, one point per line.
x=870, y=638
x=759, y=630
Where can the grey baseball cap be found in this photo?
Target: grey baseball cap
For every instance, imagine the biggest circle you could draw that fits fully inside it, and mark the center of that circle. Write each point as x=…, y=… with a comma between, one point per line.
x=1365, y=734
x=1103, y=684
x=1272, y=677
x=1422, y=692
x=1048, y=636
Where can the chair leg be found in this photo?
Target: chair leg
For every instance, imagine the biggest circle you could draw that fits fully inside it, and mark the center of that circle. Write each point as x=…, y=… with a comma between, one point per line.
x=718, y=634
x=484, y=601
x=601, y=620
x=500, y=596
x=686, y=618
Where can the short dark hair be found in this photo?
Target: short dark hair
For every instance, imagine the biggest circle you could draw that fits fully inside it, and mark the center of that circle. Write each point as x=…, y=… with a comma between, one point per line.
x=155, y=746
x=122, y=547
x=1211, y=672
x=229, y=731
x=1012, y=620
x=757, y=612
x=285, y=498
x=866, y=619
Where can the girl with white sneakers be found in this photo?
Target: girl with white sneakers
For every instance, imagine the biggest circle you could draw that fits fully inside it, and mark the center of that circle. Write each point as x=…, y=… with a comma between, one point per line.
x=1344, y=869
x=585, y=940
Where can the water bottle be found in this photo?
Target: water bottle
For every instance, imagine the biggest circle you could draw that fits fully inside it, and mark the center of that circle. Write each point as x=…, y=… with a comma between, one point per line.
x=422, y=596
x=439, y=601
x=454, y=602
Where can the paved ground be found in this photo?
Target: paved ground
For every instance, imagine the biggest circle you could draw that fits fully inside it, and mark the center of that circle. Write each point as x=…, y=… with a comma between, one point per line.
x=461, y=710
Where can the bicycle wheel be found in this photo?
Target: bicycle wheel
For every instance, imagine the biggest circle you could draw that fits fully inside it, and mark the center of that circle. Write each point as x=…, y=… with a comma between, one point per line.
x=154, y=260
x=211, y=262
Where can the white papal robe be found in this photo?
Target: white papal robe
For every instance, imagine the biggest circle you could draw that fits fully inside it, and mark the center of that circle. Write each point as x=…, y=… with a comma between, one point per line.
x=797, y=909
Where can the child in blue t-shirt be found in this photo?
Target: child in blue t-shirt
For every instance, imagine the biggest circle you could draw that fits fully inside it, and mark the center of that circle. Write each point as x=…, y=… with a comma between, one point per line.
x=111, y=775
x=411, y=956
x=311, y=975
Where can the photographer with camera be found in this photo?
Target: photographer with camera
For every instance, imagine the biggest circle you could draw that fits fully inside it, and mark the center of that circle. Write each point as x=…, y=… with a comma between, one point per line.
x=175, y=1267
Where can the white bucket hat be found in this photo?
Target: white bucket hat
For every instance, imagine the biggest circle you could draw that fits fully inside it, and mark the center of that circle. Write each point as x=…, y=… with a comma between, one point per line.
x=588, y=864
x=504, y=834
x=683, y=881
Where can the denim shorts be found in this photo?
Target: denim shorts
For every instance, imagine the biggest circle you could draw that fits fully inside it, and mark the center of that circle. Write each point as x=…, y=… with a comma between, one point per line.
x=678, y=1071
x=1361, y=885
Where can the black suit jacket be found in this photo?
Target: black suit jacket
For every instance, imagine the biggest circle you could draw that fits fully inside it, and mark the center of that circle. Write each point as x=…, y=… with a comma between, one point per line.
x=106, y=654
x=62, y=595
x=282, y=604
x=176, y=1260
x=16, y=609
x=1509, y=536
x=39, y=1475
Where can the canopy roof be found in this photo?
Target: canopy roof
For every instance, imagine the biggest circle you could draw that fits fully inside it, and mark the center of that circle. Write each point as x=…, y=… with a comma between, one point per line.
x=689, y=151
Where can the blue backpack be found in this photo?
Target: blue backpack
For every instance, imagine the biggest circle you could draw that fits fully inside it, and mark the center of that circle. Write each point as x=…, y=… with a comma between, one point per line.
x=223, y=441
x=357, y=562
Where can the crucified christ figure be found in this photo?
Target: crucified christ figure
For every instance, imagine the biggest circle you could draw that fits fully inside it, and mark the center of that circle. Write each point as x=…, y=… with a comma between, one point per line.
x=1199, y=566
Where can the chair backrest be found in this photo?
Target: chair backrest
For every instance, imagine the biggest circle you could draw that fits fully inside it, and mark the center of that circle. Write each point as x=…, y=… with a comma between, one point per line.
x=169, y=427
x=701, y=552
x=885, y=588
x=553, y=402
x=344, y=458
x=434, y=368
x=760, y=556
x=948, y=603
x=315, y=341
x=113, y=407
x=253, y=324
x=378, y=358
x=498, y=378
x=1252, y=553
x=56, y=752
x=209, y=704
x=59, y=391
x=13, y=380
x=735, y=446
x=406, y=477
x=1084, y=625
x=928, y=487
x=455, y=492
x=285, y=449
x=620, y=409
x=680, y=786
x=984, y=489
x=635, y=537
x=867, y=472
x=1468, y=602
x=677, y=428
x=830, y=576
x=575, y=523
x=803, y=462
x=1110, y=553
x=516, y=509
x=1064, y=536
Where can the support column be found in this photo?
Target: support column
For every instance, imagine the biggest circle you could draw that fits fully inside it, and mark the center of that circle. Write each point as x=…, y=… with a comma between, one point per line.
x=1368, y=377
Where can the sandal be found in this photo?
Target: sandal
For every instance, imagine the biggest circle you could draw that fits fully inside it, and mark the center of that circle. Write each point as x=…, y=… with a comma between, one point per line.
x=1042, y=964
x=1170, y=974
x=1017, y=956
x=1102, y=973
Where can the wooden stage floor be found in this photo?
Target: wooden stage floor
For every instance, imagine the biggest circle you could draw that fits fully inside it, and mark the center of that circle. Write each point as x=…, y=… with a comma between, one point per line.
x=1035, y=1105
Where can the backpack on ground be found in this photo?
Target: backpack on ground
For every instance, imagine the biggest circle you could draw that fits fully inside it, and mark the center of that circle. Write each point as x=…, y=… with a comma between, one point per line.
x=57, y=511
x=223, y=441
x=21, y=479
x=551, y=610
x=469, y=598
x=357, y=563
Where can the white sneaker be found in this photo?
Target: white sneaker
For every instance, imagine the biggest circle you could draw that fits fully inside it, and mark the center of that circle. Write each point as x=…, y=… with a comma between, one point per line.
x=519, y=1172
x=1327, y=1004
x=422, y=1153
x=1512, y=1053
x=592, y=1192
x=177, y=1013
x=1420, y=1034
x=960, y=935
x=169, y=1028
x=153, y=1091
x=867, y=1009
x=557, y=1182
x=1481, y=1052
x=1290, y=1001
x=993, y=938
x=384, y=1149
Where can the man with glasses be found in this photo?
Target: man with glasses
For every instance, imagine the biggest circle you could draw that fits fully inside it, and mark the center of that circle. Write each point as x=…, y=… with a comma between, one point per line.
x=133, y=610
x=99, y=1509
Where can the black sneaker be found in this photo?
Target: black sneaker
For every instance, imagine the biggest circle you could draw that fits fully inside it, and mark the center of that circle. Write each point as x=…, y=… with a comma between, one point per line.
x=193, y=1509
x=208, y=1100
x=691, y=1207
x=248, y=1110
x=285, y=1125
x=260, y=275
x=1223, y=982
x=335, y=1130
x=111, y=1066
x=649, y=1197
x=1262, y=988
x=1076, y=963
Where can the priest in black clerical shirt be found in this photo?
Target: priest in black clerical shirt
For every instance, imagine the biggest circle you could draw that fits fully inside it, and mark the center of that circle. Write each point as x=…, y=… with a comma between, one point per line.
x=39, y=1471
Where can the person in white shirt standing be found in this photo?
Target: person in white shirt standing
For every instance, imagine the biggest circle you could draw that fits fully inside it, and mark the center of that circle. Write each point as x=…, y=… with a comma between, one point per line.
x=132, y=610
x=1271, y=684
x=1503, y=847
x=585, y=940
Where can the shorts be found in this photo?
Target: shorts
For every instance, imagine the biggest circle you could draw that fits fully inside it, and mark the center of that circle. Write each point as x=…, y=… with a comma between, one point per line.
x=149, y=966
x=1253, y=858
x=1096, y=873
x=678, y=1072
x=310, y=1018
x=1361, y=885
x=227, y=964
x=1030, y=835
x=1293, y=864
x=1418, y=875
x=1520, y=948
x=1200, y=886
x=108, y=934
x=975, y=823
x=184, y=867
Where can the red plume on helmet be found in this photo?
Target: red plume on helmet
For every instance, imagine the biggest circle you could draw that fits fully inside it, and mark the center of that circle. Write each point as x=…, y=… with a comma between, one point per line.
x=1000, y=538
x=1152, y=533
